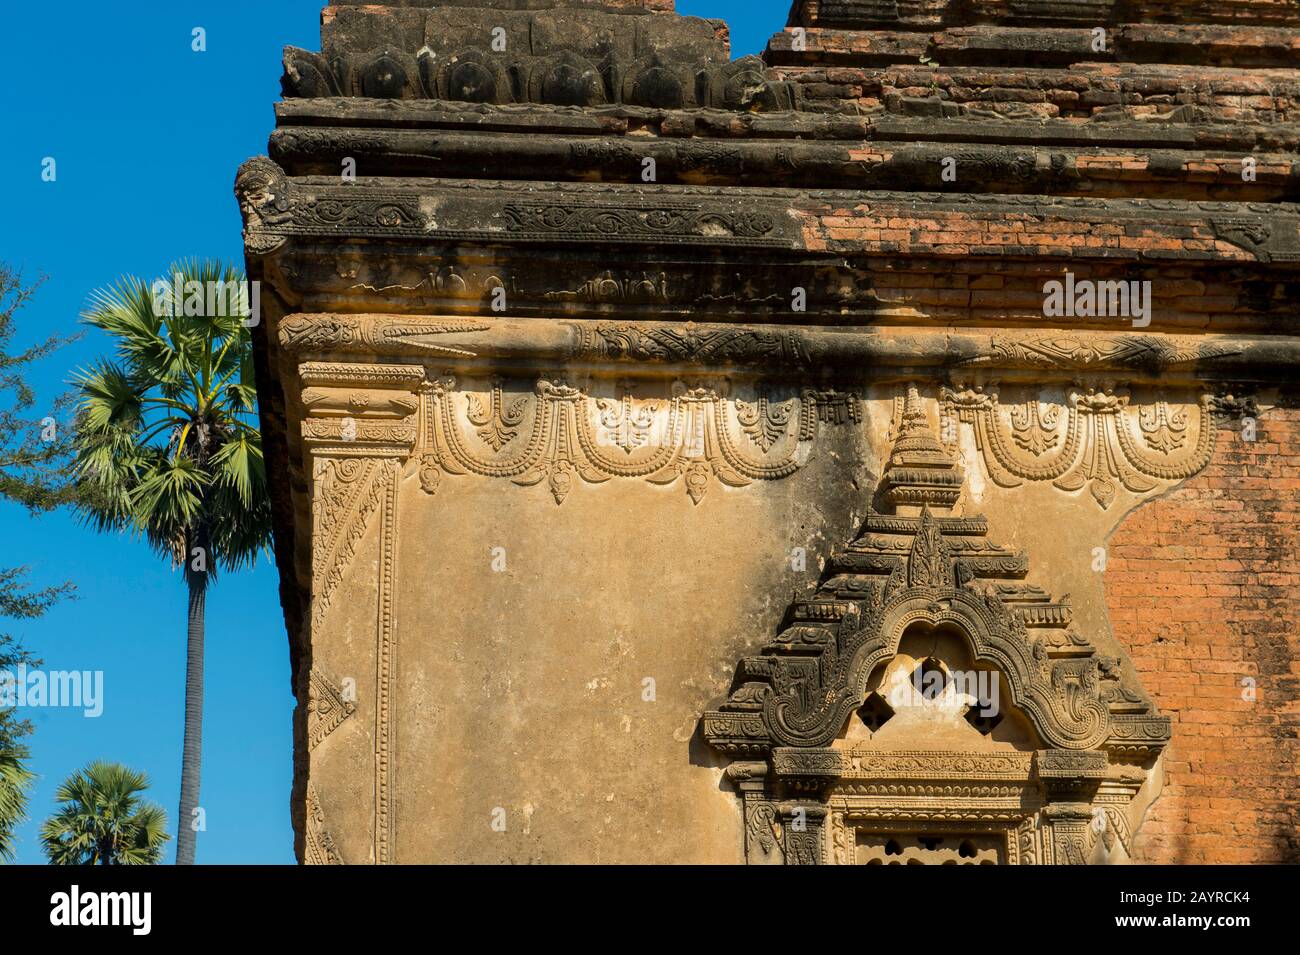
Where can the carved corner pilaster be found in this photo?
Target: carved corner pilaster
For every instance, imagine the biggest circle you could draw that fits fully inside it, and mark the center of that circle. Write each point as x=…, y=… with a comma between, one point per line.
x=360, y=410
x=764, y=834
x=320, y=848
x=359, y=425
x=805, y=833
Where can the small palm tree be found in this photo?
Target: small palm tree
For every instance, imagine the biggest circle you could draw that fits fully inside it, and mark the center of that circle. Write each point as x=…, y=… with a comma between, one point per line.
x=103, y=820
x=168, y=448
x=15, y=780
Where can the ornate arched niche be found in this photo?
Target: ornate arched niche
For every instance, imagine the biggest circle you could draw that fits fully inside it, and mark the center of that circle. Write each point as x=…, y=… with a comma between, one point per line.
x=929, y=705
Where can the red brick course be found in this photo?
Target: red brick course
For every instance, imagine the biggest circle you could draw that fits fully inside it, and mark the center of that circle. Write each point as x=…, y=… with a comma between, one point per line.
x=1203, y=589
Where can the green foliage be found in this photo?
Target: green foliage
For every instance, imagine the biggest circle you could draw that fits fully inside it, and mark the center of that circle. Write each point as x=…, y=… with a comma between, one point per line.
x=34, y=473
x=33, y=456
x=12, y=729
x=167, y=445
x=15, y=784
x=103, y=820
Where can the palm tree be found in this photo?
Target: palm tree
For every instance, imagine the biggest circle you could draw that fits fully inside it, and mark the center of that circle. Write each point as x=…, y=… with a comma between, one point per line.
x=15, y=779
x=103, y=820
x=168, y=448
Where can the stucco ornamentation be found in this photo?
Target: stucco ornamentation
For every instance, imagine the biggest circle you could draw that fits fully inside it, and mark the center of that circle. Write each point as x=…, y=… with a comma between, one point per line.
x=790, y=704
x=1096, y=440
x=561, y=434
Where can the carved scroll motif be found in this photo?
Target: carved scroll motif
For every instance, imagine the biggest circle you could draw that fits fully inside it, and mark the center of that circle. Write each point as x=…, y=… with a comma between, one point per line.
x=320, y=848
x=328, y=707
x=695, y=435
x=347, y=491
x=1092, y=441
x=377, y=333
x=1027, y=843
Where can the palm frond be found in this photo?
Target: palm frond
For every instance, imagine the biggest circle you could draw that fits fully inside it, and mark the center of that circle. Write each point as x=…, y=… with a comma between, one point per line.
x=104, y=820
x=15, y=785
x=167, y=443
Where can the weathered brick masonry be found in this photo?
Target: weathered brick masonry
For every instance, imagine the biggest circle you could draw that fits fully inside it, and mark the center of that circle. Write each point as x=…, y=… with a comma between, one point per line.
x=1203, y=589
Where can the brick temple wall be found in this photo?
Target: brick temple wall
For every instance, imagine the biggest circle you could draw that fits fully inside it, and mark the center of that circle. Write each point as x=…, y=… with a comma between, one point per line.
x=1203, y=588
x=867, y=216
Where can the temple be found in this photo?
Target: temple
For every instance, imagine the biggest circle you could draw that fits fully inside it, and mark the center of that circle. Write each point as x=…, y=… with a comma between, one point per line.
x=883, y=451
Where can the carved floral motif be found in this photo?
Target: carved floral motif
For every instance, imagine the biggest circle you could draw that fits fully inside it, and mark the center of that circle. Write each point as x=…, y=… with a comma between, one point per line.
x=320, y=848
x=687, y=342
x=694, y=435
x=1097, y=442
x=347, y=491
x=327, y=707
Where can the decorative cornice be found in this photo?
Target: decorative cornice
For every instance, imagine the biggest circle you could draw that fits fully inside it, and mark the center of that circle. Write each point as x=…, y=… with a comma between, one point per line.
x=277, y=208
x=846, y=353
x=564, y=57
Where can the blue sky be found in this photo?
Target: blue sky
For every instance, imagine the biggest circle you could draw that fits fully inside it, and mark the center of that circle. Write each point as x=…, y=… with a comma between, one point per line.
x=147, y=135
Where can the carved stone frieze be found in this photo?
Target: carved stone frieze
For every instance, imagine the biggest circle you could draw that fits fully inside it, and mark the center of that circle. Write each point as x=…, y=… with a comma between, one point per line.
x=1085, y=351
x=683, y=221
x=1095, y=440
x=560, y=433
x=382, y=335
x=688, y=342
x=607, y=288
x=276, y=207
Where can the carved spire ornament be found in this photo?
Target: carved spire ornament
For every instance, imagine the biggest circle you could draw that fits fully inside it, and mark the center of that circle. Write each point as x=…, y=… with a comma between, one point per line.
x=920, y=570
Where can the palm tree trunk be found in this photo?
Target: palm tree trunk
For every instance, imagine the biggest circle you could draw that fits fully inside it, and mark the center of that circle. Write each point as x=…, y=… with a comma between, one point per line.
x=192, y=748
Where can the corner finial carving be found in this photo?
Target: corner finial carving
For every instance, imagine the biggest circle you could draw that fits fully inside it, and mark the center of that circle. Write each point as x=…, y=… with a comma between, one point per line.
x=263, y=193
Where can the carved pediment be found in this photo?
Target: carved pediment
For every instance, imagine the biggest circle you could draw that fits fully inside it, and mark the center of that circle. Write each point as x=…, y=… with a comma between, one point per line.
x=926, y=568
x=941, y=571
